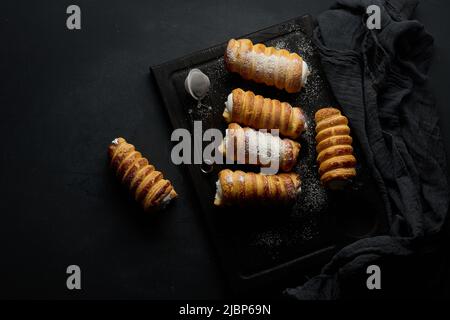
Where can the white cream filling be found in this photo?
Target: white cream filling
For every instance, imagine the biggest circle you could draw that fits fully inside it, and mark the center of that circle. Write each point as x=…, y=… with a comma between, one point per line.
x=166, y=201
x=218, y=196
x=305, y=73
x=229, y=104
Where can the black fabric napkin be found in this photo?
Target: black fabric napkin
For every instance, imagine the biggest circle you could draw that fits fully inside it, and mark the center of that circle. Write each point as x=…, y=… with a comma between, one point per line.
x=379, y=79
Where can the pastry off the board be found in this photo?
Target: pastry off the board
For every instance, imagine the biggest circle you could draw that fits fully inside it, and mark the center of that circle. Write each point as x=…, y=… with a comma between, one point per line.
x=252, y=110
x=250, y=146
x=334, y=148
x=268, y=65
x=146, y=183
x=248, y=188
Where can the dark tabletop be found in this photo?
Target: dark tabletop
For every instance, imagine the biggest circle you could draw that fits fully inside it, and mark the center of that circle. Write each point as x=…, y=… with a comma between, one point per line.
x=66, y=94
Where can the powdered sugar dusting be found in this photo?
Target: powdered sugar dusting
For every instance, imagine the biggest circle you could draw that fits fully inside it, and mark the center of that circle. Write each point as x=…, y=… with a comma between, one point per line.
x=281, y=233
x=280, y=44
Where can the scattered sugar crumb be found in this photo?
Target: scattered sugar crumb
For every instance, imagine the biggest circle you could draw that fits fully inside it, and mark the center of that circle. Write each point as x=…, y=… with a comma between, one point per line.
x=303, y=219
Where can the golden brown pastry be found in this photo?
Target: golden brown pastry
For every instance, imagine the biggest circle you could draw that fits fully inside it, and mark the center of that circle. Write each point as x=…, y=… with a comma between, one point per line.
x=260, y=148
x=241, y=188
x=147, y=184
x=273, y=67
x=255, y=111
x=334, y=148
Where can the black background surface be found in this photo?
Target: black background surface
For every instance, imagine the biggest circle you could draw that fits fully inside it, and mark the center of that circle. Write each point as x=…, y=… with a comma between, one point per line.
x=66, y=94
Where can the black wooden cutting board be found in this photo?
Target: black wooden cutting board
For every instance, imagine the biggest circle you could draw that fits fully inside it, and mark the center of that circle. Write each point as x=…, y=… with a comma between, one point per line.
x=268, y=249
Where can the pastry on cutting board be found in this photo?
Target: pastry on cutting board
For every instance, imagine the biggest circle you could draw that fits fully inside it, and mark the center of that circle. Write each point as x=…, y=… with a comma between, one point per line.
x=334, y=148
x=268, y=65
x=147, y=184
x=255, y=111
x=248, y=188
x=260, y=148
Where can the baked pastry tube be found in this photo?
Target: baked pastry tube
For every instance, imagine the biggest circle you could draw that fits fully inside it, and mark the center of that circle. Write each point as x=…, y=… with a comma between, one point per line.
x=146, y=184
x=273, y=67
x=255, y=111
x=334, y=148
x=249, y=146
x=241, y=188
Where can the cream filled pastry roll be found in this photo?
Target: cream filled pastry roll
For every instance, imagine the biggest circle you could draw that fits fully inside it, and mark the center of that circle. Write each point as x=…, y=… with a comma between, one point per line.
x=255, y=111
x=242, y=188
x=334, y=147
x=268, y=65
x=146, y=183
x=249, y=146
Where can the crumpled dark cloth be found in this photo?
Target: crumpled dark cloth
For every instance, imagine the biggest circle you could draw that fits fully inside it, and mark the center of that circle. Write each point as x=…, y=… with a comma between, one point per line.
x=379, y=80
